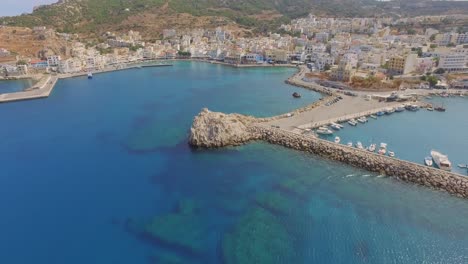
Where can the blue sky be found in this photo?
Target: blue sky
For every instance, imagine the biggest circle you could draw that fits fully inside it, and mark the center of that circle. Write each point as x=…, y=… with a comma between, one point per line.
x=16, y=7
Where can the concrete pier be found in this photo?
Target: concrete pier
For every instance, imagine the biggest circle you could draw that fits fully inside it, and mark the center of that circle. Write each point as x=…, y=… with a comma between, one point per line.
x=41, y=90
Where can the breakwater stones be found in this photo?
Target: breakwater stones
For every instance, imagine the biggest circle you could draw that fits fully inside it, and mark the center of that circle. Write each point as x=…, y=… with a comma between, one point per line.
x=213, y=130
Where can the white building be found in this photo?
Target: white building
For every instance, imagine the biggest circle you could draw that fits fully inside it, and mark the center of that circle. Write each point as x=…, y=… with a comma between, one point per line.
x=454, y=61
x=53, y=61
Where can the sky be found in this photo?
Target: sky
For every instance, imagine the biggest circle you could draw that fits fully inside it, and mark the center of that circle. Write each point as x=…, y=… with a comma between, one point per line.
x=16, y=7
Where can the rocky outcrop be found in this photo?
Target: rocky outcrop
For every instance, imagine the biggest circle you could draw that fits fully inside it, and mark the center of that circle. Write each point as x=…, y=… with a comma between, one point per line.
x=214, y=129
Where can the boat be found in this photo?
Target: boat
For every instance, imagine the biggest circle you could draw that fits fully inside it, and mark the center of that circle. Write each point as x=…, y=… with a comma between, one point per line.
x=372, y=147
x=463, y=166
x=413, y=108
x=399, y=109
x=383, y=148
x=428, y=161
x=335, y=126
x=352, y=122
x=430, y=108
x=441, y=160
x=362, y=119
x=350, y=144
x=337, y=140
x=359, y=145
x=373, y=116
x=391, y=154
x=380, y=113
x=324, y=131
x=439, y=108
x=389, y=111
x=296, y=95
x=90, y=75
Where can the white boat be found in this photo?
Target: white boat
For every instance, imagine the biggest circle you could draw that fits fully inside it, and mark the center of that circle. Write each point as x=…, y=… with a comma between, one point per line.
x=383, y=145
x=373, y=116
x=391, y=154
x=359, y=145
x=337, y=140
x=90, y=75
x=463, y=166
x=428, y=161
x=441, y=160
x=350, y=144
x=324, y=131
x=390, y=111
x=383, y=149
x=362, y=119
x=334, y=126
x=352, y=122
x=372, y=147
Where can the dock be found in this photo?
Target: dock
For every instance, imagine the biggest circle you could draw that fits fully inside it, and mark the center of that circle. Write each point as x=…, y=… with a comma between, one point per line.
x=40, y=90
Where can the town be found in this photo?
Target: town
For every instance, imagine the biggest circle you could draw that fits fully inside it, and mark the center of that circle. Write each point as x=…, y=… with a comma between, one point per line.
x=354, y=53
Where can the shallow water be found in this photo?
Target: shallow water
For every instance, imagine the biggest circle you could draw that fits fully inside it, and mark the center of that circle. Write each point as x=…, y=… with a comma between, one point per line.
x=15, y=85
x=85, y=171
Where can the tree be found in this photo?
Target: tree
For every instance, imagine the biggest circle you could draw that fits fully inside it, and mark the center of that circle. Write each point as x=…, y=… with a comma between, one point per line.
x=432, y=80
x=21, y=62
x=432, y=37
x=411, y=31
x=433, y=46
x=439, y=71
x=451, y=44
x=423, y=78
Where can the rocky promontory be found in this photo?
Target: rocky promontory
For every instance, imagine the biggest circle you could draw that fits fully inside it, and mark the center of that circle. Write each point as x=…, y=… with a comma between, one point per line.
x=215, y=129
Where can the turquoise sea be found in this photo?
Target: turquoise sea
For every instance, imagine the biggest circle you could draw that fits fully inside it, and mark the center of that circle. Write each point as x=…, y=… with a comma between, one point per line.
x=100, y=172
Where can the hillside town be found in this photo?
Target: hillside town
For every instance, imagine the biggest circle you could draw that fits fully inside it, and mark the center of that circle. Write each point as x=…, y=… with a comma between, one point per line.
x=346, y=52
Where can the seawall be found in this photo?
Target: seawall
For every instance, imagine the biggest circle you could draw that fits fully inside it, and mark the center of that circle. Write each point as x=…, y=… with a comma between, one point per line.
x=404, y=170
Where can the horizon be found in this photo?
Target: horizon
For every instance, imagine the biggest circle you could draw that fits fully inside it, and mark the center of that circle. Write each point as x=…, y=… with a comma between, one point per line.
x=14, y=8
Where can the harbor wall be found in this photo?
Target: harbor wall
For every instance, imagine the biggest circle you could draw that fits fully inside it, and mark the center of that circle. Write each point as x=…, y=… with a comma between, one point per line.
x=403, y=170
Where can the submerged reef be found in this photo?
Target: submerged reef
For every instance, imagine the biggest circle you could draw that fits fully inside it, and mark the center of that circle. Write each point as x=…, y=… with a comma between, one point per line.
x=153, y=136
x=259, y=237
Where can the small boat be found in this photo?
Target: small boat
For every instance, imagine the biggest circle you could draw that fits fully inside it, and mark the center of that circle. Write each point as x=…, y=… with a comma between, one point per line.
x=380, y=113
x=296, y=95
x=352, y=122
x=391, y=154
x=324, y=131
x=337, y=140
x=359, y=145
x=463, y=166
x=399, y=109
x=430, y=108
x=350, y=144
x=413, y=108
x=441, y=161
x=362, y=119
x=428, y=161
x=372, y=147
x=439, y=108
x=383, y=148
x=90, y=75
x=390, y=111
x=335, y=126
x=373, y=116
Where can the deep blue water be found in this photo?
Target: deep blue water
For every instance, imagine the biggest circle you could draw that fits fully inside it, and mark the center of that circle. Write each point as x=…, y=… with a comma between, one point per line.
x=15, y=86
x=86, y=169
x=412, y=135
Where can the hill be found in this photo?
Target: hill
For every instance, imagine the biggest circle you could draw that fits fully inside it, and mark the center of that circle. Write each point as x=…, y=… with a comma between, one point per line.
x=150, y=16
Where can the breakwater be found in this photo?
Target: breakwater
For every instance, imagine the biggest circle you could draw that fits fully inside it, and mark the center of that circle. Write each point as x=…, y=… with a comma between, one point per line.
x=211, y=130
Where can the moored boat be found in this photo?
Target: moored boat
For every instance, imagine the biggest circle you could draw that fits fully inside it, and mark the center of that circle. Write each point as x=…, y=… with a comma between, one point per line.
x=373, y=116
x=428, y=161
x=296, y=95
x=399, y=109
x=335, y=126
x=337, y=140
x=350, y=144
x=391, y=154
x=441, y=160
x=380, y=113
x=359, y=145
x=439, y=108
x=389, y=111
x=362, y=119
x=383, y=149
x=90, y=75
x=324, y=131
x=372, y=147
x=352, y=122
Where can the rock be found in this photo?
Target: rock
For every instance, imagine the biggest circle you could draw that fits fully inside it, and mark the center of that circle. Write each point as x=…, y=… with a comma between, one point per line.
x=214, y=129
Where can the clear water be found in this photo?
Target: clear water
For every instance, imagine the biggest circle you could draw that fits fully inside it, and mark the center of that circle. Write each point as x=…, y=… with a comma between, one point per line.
x=412, y=135
x=15, y=85
x=84, y=171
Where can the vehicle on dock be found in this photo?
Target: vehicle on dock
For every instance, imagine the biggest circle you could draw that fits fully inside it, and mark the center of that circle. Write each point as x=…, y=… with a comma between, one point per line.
x=324, y=131
x=428, y=161
x=337, y=140
x=362, y=119
x=352, y=122
x=441, y=160
x=296, y=95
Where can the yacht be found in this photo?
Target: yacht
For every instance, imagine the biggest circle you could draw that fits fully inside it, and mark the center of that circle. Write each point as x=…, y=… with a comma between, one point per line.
x=324, y=131
x=90, y=75
x=337, y=140
x=352, y=122
x=380, y=113
x=383, y=148
x=362, y=119
x=441, y=161
x=350, y=144
x=373, y=116
x=428, y=161
x=359, y=145
x=372, y=147
x=430, y=108
x=335, y=126
x=391, y=154
x=390, y=111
